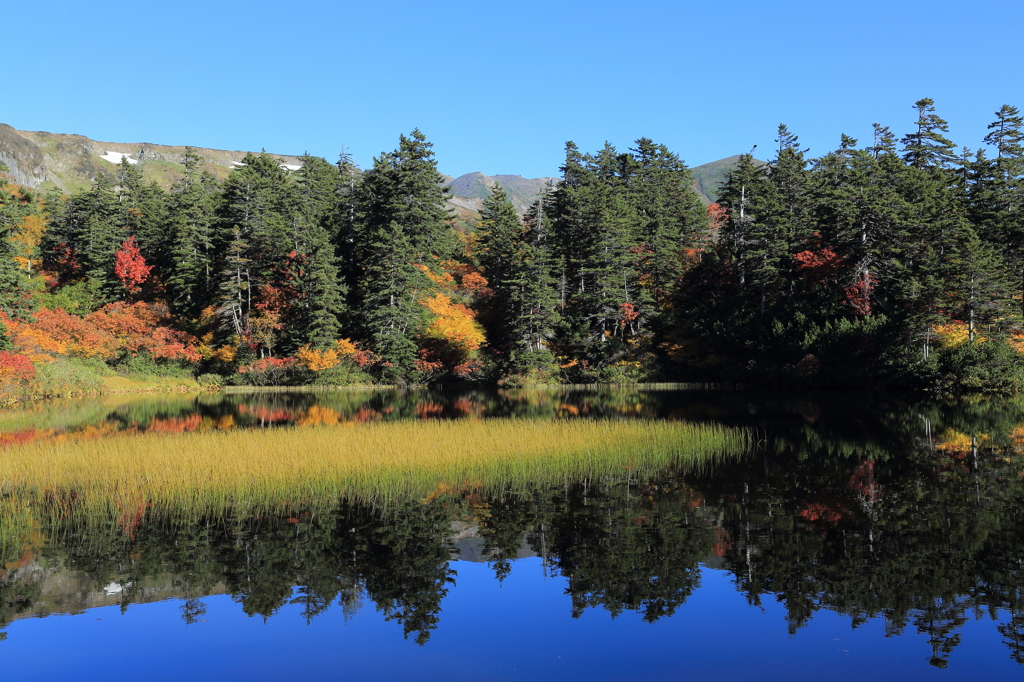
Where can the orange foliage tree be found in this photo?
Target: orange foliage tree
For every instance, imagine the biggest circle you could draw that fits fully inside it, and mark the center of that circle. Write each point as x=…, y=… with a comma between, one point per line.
x=130, y=267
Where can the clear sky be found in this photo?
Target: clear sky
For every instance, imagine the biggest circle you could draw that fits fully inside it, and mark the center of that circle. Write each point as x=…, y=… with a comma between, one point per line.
x=500, y=86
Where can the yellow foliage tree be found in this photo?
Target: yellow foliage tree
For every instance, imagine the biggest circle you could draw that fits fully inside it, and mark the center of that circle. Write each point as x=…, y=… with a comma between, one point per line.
x=26, y=237
x=453, y=324
x=316, y=360
x=956, y=333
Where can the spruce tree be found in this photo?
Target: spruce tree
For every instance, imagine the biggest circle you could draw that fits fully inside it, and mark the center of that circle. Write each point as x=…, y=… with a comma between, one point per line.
x=83, y=236
x=783, y=224
x=740, y=190
x=403, y=228
x=532, y=298
x=191, y=216
x=499, y=241
x=322, y=291
x=13, y=301
x=144, y=213
x=926, y=147
x=979, y=284
x=671, y=218
x=254, y=232
x=998, y=199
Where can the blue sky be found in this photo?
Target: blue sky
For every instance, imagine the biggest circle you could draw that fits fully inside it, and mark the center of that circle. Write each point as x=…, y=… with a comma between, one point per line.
x=498, y=86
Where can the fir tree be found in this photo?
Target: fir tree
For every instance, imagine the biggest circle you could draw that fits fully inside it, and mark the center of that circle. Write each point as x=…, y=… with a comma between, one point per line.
x=926, y=147
x=254, y=231
x=532, y=298
x=191, y=218
x=404, y=228
x=13, y=301
x=742, y=185
x=499, y=242
x=321, y=289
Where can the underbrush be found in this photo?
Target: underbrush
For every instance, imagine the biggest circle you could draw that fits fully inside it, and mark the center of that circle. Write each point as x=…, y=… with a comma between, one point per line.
x=69, y=376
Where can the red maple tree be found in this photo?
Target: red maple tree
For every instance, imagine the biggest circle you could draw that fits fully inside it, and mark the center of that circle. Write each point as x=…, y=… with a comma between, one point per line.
x=130, y=267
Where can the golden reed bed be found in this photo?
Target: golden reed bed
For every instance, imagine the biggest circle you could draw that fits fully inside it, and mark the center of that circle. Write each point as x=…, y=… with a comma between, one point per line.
x=214, y=472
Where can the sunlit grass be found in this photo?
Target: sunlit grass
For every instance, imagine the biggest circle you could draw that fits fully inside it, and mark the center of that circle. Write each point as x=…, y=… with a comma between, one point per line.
x=245, y=471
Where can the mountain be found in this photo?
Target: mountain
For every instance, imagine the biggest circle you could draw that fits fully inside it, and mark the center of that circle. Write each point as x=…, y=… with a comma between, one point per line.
x=470, y=190
x=710, y=176
x=71, y=162
x=42, y=160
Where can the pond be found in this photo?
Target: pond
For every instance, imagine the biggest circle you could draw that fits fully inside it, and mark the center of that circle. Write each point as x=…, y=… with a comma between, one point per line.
x=857, y=536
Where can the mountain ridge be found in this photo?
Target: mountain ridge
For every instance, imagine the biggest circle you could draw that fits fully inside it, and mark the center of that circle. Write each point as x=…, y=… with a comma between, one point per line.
x=43, y=160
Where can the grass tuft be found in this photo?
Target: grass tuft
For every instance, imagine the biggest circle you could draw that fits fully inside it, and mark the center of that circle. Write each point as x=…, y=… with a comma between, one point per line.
x=245, y=472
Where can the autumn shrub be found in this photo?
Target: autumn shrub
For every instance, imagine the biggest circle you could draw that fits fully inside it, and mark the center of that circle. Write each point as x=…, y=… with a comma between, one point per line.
x=16, y=374
x=270, y=372
x=344, y=364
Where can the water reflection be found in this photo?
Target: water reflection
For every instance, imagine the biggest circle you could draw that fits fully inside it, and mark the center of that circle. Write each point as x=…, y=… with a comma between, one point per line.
x=908, y=512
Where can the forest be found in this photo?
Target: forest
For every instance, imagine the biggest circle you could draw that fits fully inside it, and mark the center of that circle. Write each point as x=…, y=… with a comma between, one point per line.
x=896, y=264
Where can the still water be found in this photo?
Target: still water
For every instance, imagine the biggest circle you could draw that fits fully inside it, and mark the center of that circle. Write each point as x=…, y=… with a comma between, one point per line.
x=864, y=537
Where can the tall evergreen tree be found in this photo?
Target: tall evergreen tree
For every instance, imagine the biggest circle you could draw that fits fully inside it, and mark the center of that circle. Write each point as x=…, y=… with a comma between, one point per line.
x=499, y=239
x=404, y=228
x=997, y=201
x=671, y=218
x=533, y=297
x=742, y=185
x=191, y=216
x=254, y=232
x=144, y=210
x=12, y=282
x=926, y=147
x=321, y=289
x=782, y=226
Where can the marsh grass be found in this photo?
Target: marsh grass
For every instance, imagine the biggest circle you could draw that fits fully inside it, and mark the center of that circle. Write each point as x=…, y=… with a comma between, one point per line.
x=253, y=471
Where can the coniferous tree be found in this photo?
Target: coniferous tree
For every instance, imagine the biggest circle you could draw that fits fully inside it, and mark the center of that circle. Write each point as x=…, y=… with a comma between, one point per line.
x=191, y=215
x=321, y=289
x=254, y=233
x=144, y=211
x=499, y=240
x=344, y=239
x=671, y=219
x=12, y=282
x=533, y=298
x=861, y=218
x=404, y=229
x=998, y=201
x=926, y=147
x=980, y=287
x=782, y=226
x=83, y=236
x=742, y=185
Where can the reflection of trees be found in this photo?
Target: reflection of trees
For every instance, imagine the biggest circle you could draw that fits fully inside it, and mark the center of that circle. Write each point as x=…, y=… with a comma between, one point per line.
x=869, y=508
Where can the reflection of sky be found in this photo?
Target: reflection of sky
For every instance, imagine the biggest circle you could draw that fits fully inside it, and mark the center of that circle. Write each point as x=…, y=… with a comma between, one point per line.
x=518, y=630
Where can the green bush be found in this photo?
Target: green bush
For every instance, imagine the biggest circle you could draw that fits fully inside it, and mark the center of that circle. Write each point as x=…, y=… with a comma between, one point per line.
x=143, y=365
x=989, y=367
x=210, y=380
x=69, y=376
x=343, y=374
x=80, y=298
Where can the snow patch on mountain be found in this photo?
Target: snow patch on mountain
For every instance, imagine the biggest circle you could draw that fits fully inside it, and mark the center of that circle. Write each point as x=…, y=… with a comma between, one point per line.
x=115, y=158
